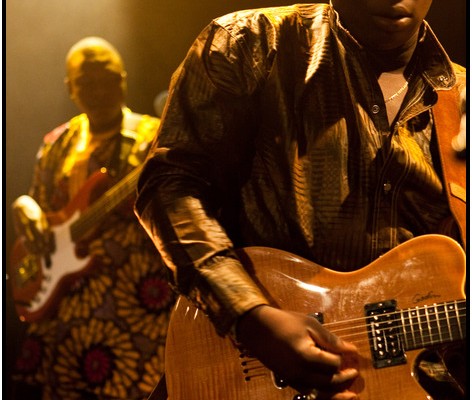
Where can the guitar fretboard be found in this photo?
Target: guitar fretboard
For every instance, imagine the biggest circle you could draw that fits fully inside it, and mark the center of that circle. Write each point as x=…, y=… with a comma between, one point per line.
x=433, y=324
x=101, y=208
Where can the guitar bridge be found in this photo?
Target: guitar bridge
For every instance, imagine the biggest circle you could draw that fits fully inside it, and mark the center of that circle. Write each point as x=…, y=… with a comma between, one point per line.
x=384, y=334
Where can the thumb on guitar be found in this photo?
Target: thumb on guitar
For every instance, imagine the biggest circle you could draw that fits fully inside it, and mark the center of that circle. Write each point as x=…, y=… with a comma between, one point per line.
x=298, y=349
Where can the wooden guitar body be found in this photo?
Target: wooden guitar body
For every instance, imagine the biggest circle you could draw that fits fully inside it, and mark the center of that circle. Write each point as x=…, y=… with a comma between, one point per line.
x=423, y=278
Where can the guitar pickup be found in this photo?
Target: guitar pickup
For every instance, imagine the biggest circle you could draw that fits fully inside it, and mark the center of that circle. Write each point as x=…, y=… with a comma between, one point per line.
x=383, y=327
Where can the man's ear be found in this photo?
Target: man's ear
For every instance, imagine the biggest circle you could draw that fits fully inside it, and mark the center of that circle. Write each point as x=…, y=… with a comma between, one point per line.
x=69, y=87
x=124, y=84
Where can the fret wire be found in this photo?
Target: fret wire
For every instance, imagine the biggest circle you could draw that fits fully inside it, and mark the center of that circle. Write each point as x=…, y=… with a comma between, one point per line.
x=448, y=322
x=458, y=319
x=412, y=328
x=409, y=318
x=437, y=321
x=396, y=313
x=420, y=327
x=451, y=329
x=403, y=324
x=425, y=330
x=433, y=318
x=407, y=330
x=429, y=324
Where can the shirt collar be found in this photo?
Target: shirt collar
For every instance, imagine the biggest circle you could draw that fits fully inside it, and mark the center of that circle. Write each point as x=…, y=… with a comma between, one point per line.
x=437, y=68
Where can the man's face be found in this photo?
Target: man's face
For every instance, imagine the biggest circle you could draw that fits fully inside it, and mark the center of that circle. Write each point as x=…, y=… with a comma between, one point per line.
x=382, y=24
x=97, y=87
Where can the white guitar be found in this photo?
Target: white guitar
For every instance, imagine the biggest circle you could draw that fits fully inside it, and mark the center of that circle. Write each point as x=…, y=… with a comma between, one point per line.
x=39, y=280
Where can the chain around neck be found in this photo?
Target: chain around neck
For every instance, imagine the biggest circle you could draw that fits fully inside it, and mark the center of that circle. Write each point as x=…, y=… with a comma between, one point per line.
x=399, y=91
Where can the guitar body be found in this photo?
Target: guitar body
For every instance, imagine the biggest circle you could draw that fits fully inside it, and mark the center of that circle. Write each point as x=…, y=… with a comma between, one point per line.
x=424, y=271
x=37, y=283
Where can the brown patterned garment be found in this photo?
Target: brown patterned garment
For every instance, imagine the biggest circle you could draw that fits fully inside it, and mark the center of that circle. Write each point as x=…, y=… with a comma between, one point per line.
x=106, y=338
x=279, y=137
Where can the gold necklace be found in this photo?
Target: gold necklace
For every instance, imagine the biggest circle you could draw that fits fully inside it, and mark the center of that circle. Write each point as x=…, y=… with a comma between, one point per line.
x=399, y=91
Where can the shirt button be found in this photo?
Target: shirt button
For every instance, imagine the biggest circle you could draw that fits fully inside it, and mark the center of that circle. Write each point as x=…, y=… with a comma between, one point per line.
x=375, y=109
x=387, y=186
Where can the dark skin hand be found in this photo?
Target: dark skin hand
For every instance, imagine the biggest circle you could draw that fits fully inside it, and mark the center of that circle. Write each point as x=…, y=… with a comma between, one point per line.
x=297, y=348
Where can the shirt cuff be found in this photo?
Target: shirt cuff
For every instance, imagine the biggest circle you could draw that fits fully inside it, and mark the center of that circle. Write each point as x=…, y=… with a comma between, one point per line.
x=225, y=292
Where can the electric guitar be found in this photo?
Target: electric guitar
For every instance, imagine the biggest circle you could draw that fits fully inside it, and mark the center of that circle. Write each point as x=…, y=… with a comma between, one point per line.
x=410, y=299
x=39, y=280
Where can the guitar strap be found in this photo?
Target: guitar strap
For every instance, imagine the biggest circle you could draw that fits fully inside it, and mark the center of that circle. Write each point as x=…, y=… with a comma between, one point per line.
x=127, y=140
x=136, y=129
x=446, y=114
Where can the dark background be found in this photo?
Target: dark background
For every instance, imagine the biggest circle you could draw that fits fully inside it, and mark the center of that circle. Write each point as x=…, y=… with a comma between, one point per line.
x=153, y=36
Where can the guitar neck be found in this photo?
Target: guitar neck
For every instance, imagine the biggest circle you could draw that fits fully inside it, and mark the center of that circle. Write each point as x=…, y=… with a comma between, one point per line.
x=434, y=324
x=100, y=209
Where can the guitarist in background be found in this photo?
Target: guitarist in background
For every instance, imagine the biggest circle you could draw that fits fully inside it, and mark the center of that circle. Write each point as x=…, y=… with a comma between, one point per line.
x=105, y=337
x=317, y=129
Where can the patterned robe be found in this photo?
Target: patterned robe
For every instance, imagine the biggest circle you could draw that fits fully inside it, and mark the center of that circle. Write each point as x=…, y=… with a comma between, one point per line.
x=105, y=339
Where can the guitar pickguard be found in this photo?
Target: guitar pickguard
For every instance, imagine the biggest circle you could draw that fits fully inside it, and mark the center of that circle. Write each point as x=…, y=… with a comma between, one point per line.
x=37, y=282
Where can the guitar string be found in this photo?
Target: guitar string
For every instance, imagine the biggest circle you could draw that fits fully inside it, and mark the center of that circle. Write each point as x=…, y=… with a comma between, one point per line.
x=430, y=339
x=106, y=203
x=440, y=318
x=398, y=312
x=411, y=324
x=365, y=344
x=359, y=337
x=109, y=198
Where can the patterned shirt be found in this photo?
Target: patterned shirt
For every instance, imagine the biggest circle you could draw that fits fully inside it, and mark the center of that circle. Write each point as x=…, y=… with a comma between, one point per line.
x=276, y=134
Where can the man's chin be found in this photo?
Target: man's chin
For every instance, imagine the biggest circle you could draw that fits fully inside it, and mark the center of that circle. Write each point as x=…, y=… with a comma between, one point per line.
x=388, y=41
x=104, y=120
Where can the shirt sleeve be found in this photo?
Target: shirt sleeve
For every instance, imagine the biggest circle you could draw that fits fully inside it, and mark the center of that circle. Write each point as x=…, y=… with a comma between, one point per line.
x=195, y=167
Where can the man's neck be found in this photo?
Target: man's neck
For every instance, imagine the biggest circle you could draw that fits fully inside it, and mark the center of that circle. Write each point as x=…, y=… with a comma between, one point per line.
x=395, y=59
x=103, y=128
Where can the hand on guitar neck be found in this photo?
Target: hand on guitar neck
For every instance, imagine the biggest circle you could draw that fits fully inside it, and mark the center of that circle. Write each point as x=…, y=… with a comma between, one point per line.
x=306, y=354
